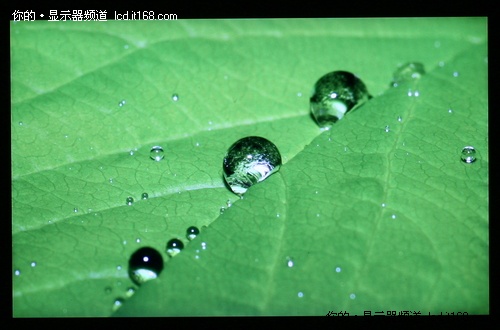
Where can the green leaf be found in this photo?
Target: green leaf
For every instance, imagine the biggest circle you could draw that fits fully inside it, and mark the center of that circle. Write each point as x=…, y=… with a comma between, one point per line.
x=357, y=219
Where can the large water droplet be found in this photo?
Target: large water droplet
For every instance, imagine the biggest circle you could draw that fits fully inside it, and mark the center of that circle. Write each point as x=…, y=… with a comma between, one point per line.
x=468, y=154
x=334, y=95
x=248, y=161
x=145, y=264
x=192, y=232
x=407, y=72
x=156, y=153
x=174, y=246
x=129, y=201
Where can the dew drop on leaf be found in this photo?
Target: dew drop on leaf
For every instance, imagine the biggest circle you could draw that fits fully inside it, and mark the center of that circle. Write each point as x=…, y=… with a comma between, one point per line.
x=17, y=272
x=117, y=303
x=468, y=155
x=129, y=201
x=33, y=264
x=192, y=232
x=175, y=97
x=156, y=153
x=248, y=161
x=334, y=95
x=145, y=264
x=174, y=246
x=407, y=72
x=130, y=292
x=121, y=103
x=289, y=262
x=338, y=269
x=144, y=195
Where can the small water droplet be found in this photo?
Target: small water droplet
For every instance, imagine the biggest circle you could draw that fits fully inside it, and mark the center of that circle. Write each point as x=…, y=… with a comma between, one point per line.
x=338, y=269
x=299, y=94
x=117, y=303
x=175, y=97
x=437, y=44
x=108, y=290
x=352, y=296
x=400, y=119
x=33, y=264
x=129, y=201
x=300, y=294
x=410, y=93
x=455, y=74
x=450, y=110
x=229, y=203
x=156, y=153
x=248, y=161
x=75, y=210
x=468, y=154
x=125, y=46
x=387, y=129
x=110, y=180
x=407, y=72
x=131, y=152
x=137, y=240
x=416, y=94
x=393, y=216
x=277, y=215
x=192, y=232
x=383, y=204
x=334, y=95
x=289, y=262
x=17, y=272
x=174, y=246
x=21, y=123
x=222, y=210
x=121, y=103
x=204, y=245
x=130, y=292
x=144, y=195
x=145, y=264
x=441, y=63
x=118, y=267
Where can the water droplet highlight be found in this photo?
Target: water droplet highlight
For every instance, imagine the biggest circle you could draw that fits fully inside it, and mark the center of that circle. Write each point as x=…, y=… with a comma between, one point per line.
x=192, y=232
x=145, y=264
x=400, y=119
x=33, y=264
x=204, y=245
x=75, y=210
x=174, y=246
x=387, y=129
x=117, y=303
x=468, y=155
x=144, y=195
x=130, y=292
x=156, y=153
x=175, y=97
x=121, y=103
x=248, y=161
x=289, y=262
x=407, y=72
x=129, y=201
x=334, y=95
